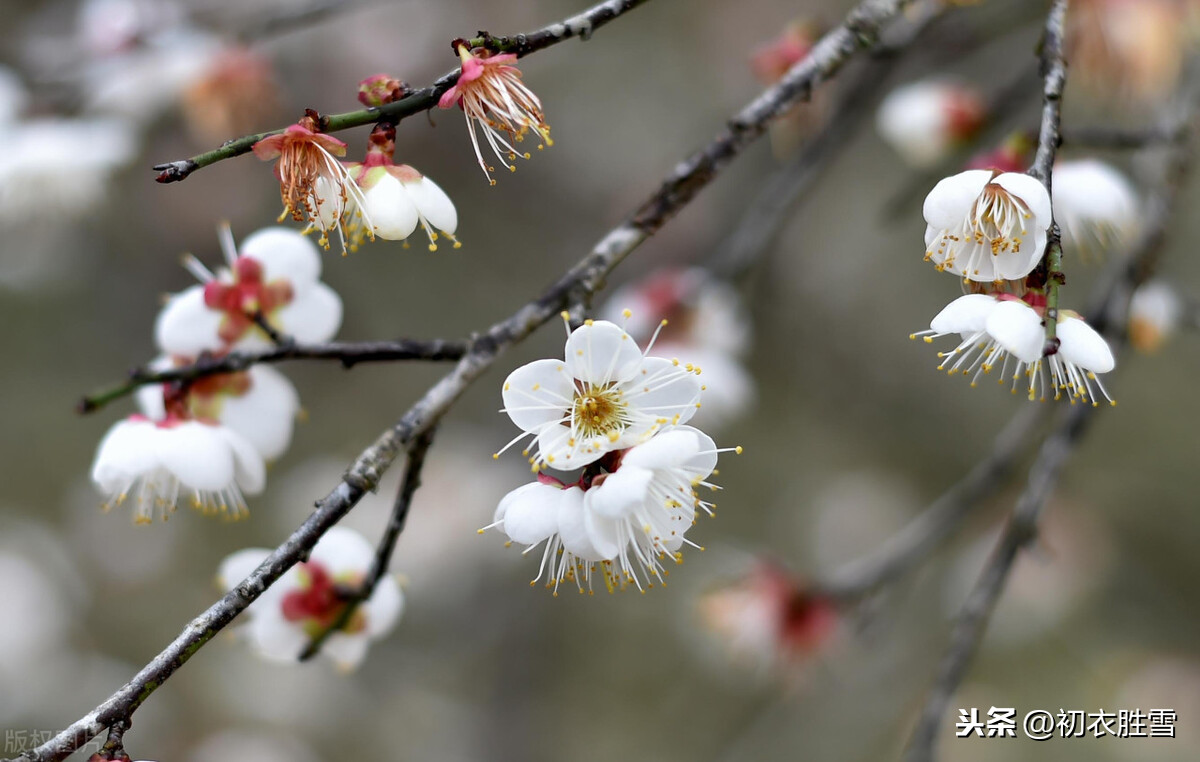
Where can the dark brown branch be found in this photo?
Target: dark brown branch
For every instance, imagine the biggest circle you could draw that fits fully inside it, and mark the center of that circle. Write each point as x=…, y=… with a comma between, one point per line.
x=581, y=26
x=859, y=31
x=348, y=354
x=409, y=483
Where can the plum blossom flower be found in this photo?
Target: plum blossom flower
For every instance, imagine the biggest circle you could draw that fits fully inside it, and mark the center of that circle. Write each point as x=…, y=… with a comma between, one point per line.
x=311, y=596
x=396, y=197
x=768, y=617
x=276, y=275
x=315, y=187
x=157, y=463
x=1005, y=331
x=1155, y=311
x=260, y=403
x=923, y=121
x=1094, y=204
x=1127, y=52
x=491, y=94
x=987, y=226
x=606, y=395
x=625, y=514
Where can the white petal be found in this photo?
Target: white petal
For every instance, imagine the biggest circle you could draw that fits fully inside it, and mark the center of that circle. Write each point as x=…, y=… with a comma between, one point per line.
x=1033, y=193
x=343, y=552
x=663, y=390
x=621, y=493
x=530, y=513
x=198, y=455
x=237, y=566
x=314, y=315
x=912, y=119
x=384, y=608
x=665, y=450
x=601, y=352
x=249, y=470
x=966, y=314
x=571, y=527
x=126, y=452
x=265, y=414
x=603, y=533
x=275, y=637
x=554, y=447
x=186, y=326
x=392, y=212
x=1018, y=328
x=702, y=464
x=538, y=393
x=433, y=203
x=284, y=253
x=1082, y=345
x=1015, y=265
x=346, y=650
x=948, y=204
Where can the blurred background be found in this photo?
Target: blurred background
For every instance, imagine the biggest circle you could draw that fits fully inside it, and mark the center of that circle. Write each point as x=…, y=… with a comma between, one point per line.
x=848, y=430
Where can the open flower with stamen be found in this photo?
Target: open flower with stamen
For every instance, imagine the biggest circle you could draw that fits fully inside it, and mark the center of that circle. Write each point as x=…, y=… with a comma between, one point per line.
x=923, y=121
x=155, y=464
x=277, y=274
x=397, y=197
x=491, y=94
x=1155, y=311
x=606, y=395
x=1094, y=204
x=1007, y=332
x=260, y=403
x=315, y=187
x=312, y=596
x=987, y=226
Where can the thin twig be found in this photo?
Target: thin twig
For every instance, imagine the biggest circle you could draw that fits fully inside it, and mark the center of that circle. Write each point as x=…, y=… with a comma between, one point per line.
x=409, y=482
x=348, y=353
x=581, y=26
x=859, y=31
x=1054, y=75
x=973, y=617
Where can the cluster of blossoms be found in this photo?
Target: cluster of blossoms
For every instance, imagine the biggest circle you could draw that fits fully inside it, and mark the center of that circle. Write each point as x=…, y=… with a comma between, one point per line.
x=207, y=440
x=617, y=417
x=990, y=228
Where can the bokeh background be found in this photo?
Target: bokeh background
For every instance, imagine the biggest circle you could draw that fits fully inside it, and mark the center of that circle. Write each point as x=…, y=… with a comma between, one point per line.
x=852, y=432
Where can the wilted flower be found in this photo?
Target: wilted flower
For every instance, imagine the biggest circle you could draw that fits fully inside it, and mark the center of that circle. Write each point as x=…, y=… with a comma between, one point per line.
x=924, y=121
x=276, y=275
x=234, y=95
x=606, y=395
x=316, y=188
x=491, y=94
x=987, y=226
x=1094, y=204
x=1155, y=311
x=157, y=463
x=312, y=596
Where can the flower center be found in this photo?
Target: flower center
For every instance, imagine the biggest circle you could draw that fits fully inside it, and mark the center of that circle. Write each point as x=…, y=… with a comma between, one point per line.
x=245, y=296
x=319, y=604
x=599, y=411
x=998, y=219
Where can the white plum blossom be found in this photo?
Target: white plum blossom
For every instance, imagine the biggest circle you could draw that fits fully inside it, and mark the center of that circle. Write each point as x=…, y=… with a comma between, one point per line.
x=276, y=273
x=987, y=226
x=396, y=198
x=155, y=464
x=605, y=395
x=260, y=404
x=1155, y=311
x=625, y=515
x=312, y=595
x=923, y=121
x=1010, y=333
x=1094, y=204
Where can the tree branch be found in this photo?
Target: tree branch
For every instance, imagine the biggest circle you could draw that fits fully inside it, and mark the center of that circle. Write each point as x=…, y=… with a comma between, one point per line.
x=348, y=354
x=409, y=482
x=581, y=26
